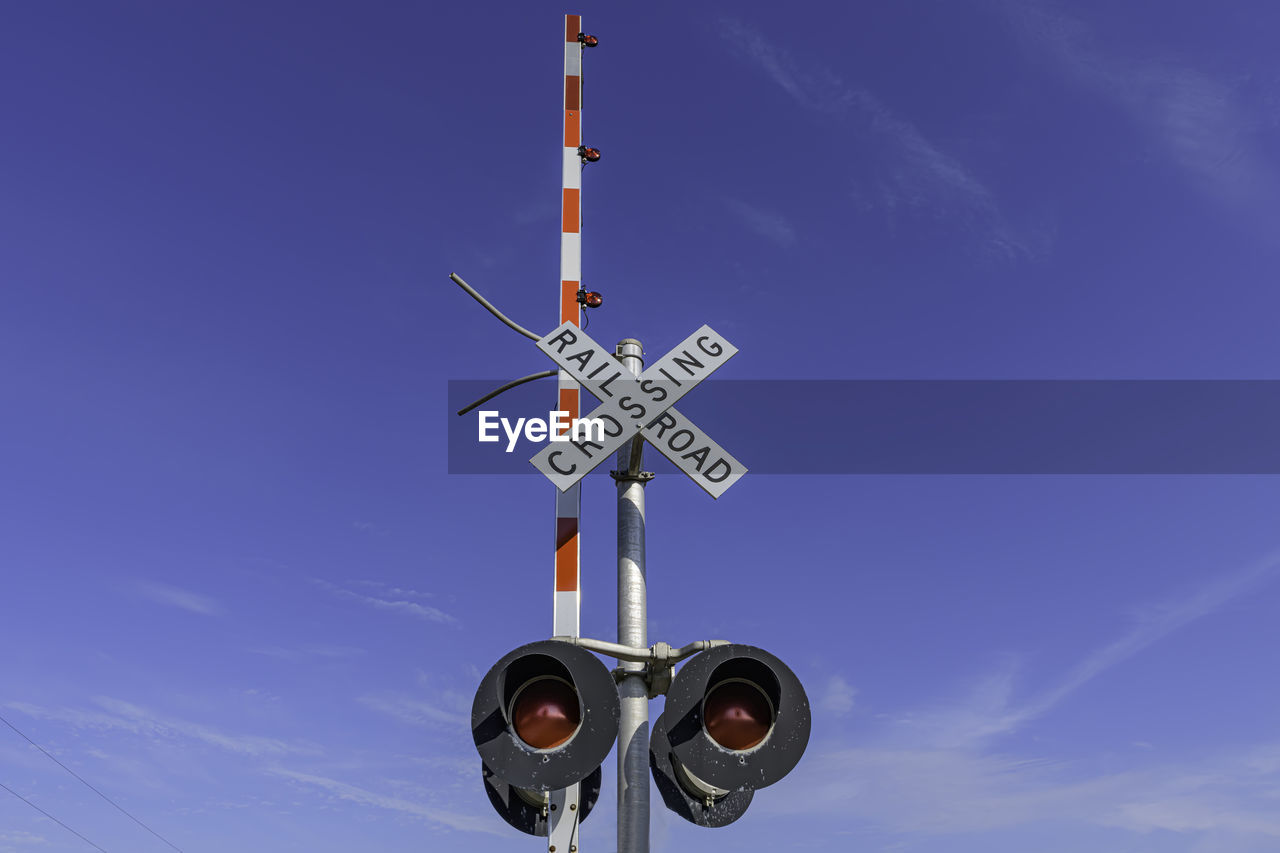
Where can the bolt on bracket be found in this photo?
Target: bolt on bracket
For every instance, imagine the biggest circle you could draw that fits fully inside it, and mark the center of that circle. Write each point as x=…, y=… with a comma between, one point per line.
x=628, y=477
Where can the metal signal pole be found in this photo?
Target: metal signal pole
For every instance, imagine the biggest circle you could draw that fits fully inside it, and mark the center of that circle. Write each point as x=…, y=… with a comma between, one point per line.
x=633, y=630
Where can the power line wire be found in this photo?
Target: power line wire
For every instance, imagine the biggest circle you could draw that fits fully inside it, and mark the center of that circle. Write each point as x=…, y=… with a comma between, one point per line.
x=51, y=817
x=90, y=787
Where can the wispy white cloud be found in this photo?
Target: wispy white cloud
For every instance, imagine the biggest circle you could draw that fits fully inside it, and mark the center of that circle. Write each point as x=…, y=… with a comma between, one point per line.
x=462, y=768
x=391, y=589
x=303, y=652
x=119, y=715
x=446, y=706
x=77, y=718
x=919, y=177
x=18, y=838
x=938, y=771
x=362, y=796
x=172, y=596
x=416, y=711
x=772, y=226
x=837, y=697
x=412, y=608
x=1202, y=123
x=983, y=711
x=989, y=709
x=944, y=791
x=813, y=88
x=1153, y=624
x=152, y=723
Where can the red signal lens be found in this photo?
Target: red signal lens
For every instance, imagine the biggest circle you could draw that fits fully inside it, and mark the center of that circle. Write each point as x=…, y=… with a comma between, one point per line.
x=737, y=714
x=546, y=713
x=592, y=299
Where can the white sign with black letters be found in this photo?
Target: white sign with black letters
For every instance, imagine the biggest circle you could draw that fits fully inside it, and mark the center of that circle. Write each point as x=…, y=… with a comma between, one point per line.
x=643, y=404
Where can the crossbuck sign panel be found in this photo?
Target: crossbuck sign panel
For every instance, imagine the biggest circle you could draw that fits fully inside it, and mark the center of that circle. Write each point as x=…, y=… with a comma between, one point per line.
x=643, y=404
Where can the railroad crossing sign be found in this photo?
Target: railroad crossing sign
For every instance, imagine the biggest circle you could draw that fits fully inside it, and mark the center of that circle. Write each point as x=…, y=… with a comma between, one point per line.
x=643, y=404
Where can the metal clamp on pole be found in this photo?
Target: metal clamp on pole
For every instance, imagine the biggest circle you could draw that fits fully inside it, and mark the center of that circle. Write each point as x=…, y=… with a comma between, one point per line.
x=630, y=477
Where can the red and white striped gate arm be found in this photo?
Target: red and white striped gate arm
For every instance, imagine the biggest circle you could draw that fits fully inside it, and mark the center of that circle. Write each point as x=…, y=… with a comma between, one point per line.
x=568, y=594
x=563, y=822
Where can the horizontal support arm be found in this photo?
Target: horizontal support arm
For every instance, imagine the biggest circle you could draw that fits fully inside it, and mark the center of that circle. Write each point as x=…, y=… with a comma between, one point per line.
x=659, y=653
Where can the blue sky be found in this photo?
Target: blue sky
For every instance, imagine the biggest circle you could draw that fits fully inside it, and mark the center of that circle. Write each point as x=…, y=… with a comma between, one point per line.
x=244, y=598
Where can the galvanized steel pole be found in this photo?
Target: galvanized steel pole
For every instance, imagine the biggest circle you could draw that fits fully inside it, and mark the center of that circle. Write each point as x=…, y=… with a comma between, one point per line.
x=633, y=630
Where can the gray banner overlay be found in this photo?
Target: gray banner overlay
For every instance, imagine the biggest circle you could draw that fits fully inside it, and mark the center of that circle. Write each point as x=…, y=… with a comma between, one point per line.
x=934, y=426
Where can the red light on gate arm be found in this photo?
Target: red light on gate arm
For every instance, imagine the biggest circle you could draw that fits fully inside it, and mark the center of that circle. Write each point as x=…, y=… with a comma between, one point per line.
x=588, y=41
x=737, y=714
x=545, y=713
x=591, y=155
x=590, y=298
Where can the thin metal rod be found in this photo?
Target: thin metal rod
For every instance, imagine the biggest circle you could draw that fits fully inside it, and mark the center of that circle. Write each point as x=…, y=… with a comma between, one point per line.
x=541, y=374
x=475, y=294
x=633, y=622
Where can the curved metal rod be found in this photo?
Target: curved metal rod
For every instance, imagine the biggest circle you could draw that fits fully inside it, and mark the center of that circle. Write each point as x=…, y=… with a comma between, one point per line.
x=494, y=311
x=541, y=374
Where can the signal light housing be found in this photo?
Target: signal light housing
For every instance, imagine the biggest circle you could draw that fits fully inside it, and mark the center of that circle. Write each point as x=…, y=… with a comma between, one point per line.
x=590, y=298
x=591, y=155
x=588, y=41
x=736, y=719
x=525, y=810
x=689, y=796
x=545, y=716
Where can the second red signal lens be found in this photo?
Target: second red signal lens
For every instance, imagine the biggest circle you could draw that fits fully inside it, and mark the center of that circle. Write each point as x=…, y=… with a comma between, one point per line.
x=737, y=714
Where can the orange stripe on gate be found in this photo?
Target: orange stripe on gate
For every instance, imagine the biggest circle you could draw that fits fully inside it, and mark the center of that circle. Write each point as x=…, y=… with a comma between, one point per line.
x=568, y=402
x=569, y=211
x=572, y=91
x=572, y=26
x=566, y=554
x=572, y=129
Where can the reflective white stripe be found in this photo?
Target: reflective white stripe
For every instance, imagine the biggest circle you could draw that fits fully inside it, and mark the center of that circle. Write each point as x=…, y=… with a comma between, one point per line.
x=570, y=257
x=572, y=58
x=572, y=169
x=567, y=505
x=566, y=619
